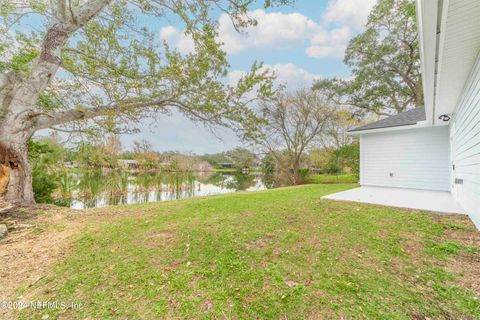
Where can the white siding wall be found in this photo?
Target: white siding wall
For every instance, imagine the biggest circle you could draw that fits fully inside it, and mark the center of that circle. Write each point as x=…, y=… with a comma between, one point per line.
x=465, y=140
x=417, y=158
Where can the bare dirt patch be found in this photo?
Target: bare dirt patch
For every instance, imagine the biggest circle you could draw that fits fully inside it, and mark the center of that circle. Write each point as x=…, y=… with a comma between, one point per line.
x=157, y=238
x=260, y=243
x=466, y=263
x=39, y=237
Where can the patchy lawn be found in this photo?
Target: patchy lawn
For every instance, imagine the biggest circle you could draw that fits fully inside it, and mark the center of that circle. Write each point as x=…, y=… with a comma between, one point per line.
x=277, y=254
x=332, y=178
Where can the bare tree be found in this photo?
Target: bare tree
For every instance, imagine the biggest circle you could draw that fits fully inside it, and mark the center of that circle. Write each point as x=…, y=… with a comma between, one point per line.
x=293, y=123
x=336, y=131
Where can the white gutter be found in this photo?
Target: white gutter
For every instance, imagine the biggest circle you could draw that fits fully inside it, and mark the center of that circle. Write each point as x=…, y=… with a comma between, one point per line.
x=427, y=22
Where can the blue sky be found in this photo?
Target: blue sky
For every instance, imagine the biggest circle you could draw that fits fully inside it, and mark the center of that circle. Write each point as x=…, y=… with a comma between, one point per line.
x=300, y=43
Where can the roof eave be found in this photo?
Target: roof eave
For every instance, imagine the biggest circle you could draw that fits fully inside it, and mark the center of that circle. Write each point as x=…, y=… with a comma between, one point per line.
x=419, y=125
x=428, y=26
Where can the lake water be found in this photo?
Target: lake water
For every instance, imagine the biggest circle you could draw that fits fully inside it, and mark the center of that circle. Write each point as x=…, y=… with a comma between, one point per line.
x=94, y=189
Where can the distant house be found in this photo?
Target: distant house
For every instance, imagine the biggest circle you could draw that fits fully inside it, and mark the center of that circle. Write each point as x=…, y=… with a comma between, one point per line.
x=226, y=165
x=128, y=163
x=203, y=166
x=435, y=147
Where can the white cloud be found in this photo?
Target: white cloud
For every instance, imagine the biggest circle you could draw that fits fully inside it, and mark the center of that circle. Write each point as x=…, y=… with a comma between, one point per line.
x=177, y=39
x=287, y=74
x=332, y=43
x=352, y=13
x=274, y=30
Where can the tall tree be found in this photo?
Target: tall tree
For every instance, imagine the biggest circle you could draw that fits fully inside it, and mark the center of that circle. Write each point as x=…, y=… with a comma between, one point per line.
x=293, y=122
x=385, y=63
x=97, y=63
x=241, y=158
x=144, y=153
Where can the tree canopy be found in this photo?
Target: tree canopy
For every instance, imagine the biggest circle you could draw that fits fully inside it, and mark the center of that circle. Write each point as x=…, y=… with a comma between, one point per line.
x=96, y=65
x=385, y=63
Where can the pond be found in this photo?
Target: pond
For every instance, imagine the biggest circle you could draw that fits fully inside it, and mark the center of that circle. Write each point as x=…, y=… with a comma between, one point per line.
x=94, y=189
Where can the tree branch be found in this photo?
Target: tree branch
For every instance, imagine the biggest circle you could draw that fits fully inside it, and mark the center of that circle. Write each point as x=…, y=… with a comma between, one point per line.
x=48, y=120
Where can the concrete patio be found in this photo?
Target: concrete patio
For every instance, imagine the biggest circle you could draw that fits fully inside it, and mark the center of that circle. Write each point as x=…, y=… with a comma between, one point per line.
x=438, y=201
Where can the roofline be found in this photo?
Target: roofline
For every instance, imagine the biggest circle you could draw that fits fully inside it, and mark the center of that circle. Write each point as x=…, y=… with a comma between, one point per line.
x=418, y=125
x=431, y=21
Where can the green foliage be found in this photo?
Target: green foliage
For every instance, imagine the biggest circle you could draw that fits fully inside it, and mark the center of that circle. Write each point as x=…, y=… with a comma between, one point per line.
x=17, y=51
x=385, y=63
x=115, y=68
x=43, y=158
x=331, y=178
x=241, y=158
x=303, y=173
x=91, y=155
x=215, y=159
x=268, y=170
x=347, y=156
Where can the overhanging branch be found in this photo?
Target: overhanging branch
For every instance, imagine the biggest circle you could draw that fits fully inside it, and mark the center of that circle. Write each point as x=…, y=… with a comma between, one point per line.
x=43, y=121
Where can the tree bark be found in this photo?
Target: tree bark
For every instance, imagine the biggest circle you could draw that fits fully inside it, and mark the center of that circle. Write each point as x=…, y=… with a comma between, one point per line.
x=14, y=159
x=18, y=98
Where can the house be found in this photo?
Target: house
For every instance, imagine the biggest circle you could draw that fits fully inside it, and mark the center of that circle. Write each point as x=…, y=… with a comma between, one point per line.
x=203, y=166
x=226, y=165
x=435, y=148
x=128, y=163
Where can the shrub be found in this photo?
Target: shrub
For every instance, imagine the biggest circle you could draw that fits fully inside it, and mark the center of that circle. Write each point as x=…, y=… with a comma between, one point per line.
x=43, y=158
x=347, y=156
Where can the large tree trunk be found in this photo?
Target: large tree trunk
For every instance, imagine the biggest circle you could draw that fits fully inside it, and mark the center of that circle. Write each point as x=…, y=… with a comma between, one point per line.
x=15, y=132
x=18, y=98
x=16, y=170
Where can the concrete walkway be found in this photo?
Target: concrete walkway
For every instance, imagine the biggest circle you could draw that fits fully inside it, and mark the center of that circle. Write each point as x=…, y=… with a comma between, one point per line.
x=439, y=201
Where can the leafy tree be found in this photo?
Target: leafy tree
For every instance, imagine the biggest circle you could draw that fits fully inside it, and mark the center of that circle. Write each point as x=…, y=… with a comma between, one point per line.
x=145, y=155
x=92, y=155
x=241, y=158
x=385, y=63
x=319, y=158
x=215, y=158
x=347, y=156
x=114, y=72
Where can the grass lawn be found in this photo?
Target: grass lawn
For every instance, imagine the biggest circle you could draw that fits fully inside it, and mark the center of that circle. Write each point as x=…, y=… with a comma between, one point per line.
x=327, y=178
x=277, y=254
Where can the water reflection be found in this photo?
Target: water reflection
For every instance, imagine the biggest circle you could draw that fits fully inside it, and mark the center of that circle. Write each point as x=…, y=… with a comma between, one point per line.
x=94, y=188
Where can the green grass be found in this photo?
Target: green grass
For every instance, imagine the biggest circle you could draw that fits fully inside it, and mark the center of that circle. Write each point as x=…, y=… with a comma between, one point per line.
x=226, y=170
x=277, y=254
x=328, y=179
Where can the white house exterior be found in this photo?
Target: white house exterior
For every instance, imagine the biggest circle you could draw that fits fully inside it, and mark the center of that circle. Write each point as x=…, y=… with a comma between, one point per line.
x=416, y=158
x=436, y=147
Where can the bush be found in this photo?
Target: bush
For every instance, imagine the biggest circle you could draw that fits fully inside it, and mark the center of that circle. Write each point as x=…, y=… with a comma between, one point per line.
x=303, y=173
x=43, y=158
x=44, y=184
x=347, y=156
x=268, y=170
